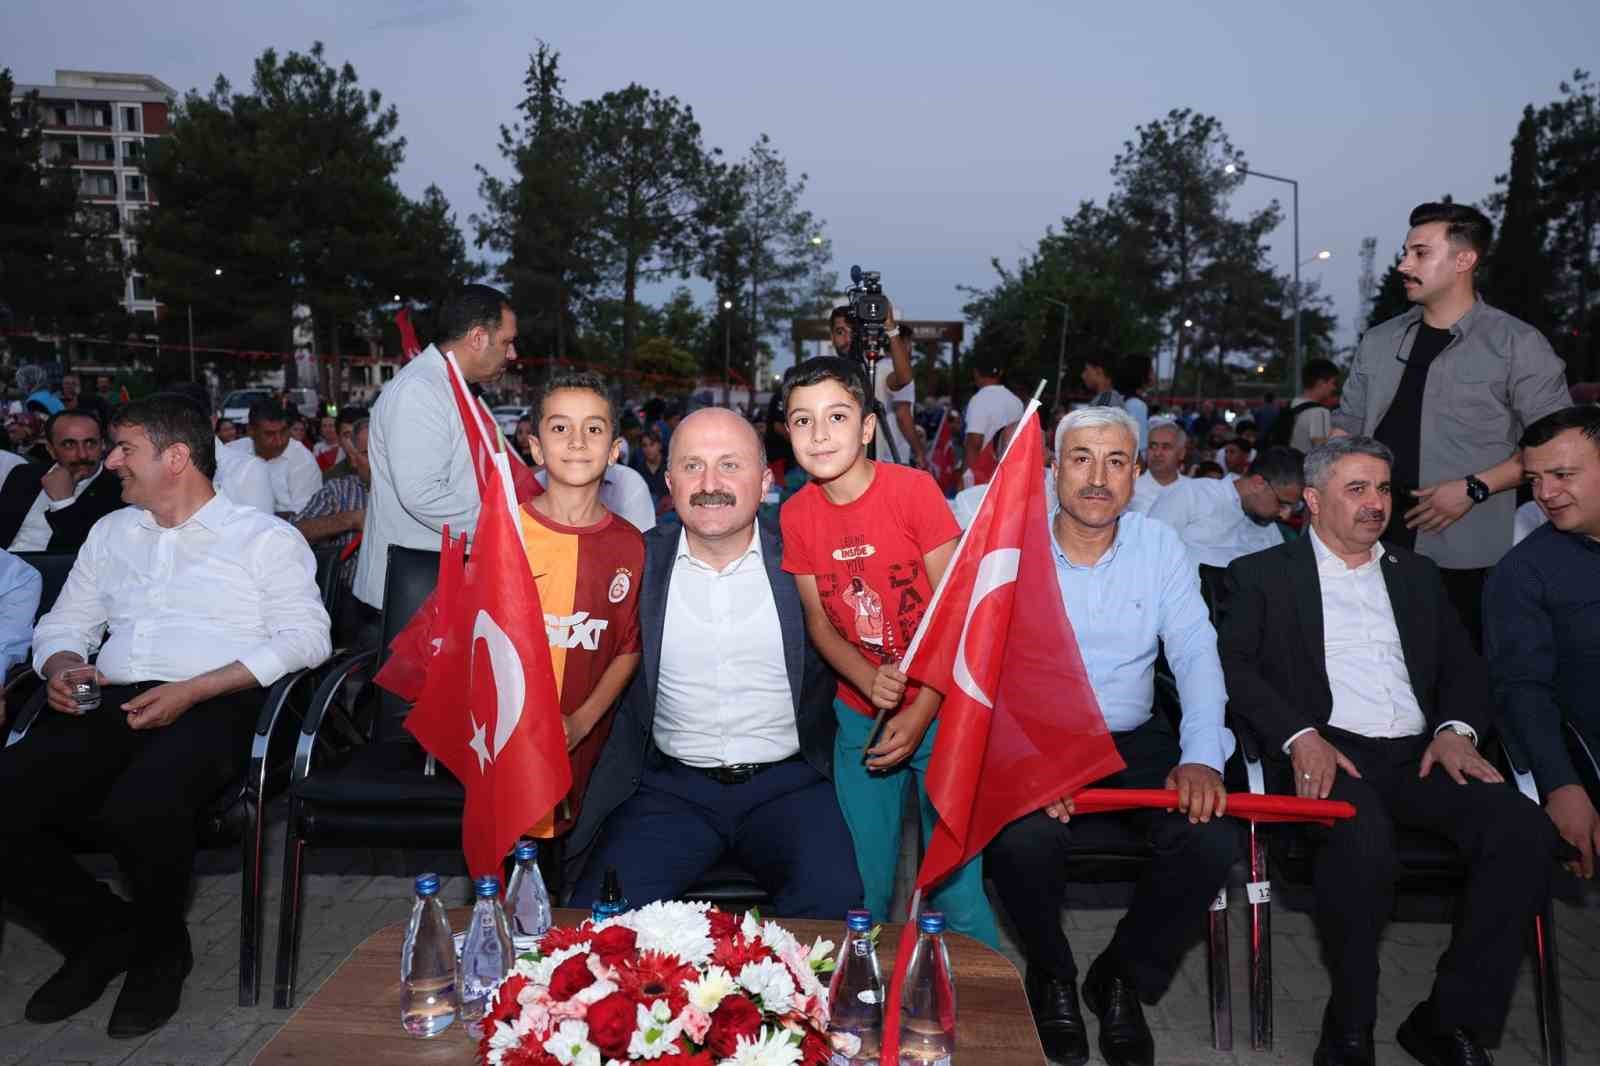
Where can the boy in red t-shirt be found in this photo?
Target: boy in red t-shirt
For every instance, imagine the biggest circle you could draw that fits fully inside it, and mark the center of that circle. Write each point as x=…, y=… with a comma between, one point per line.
x=587, y=563
x=867, y=542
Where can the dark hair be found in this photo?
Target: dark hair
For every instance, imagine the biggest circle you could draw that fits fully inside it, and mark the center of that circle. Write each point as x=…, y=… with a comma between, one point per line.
x=1318, y=370
x=350, y=415
x=169, y=418
x=70, y=412
x=1243, y=424
x=826, y=368
x=842, y=311
x=192, y=391
x=473, y=306
x=989, y=367
x=1280, y=466
x=268, y=411
x=1207, y=469
x=583, y=381
x=1585, y=417
x=1463, y=224
x=1131, y=374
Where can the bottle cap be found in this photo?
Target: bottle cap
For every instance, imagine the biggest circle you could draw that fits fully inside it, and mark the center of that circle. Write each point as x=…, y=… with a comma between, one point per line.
x=485, y=886
x=858, y=921
x=527, y=850
x=427, y=884
x=931, y=922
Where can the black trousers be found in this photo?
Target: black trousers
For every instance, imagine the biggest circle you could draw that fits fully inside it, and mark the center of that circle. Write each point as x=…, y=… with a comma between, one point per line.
x=136, y=793
x=1027, y=863
x=1509, y=844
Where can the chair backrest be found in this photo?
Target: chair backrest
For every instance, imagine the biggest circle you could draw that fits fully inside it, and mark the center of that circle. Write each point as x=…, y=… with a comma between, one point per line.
x=411, y=578
x=327, y=556
x=53, y=567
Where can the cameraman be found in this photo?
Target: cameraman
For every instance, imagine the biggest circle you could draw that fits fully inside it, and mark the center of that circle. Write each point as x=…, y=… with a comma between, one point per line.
x=892, y=386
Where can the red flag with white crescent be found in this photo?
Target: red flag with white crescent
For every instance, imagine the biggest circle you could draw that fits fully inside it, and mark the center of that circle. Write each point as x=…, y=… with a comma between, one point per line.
x=942, y=457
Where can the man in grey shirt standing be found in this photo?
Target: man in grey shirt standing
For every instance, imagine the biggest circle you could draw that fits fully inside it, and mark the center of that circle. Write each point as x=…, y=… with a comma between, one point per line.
x=1449, y=386
x=422, y=476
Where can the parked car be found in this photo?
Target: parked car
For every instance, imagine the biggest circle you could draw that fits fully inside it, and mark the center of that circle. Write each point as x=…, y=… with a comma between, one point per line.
x=236, y=405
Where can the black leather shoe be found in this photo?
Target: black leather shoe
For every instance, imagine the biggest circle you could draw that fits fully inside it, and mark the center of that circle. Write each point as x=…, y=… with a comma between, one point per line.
x=1058, y=1019
x=151, y=992
x=1421, y=1035
x=81, y=980
x=1125, y=1038
x=1342, y=1045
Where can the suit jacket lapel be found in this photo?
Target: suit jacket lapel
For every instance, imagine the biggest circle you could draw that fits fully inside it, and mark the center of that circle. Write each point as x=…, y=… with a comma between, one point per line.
x=1409, y=622
x=1308, y=608
x=661, y=550
x=791, y=616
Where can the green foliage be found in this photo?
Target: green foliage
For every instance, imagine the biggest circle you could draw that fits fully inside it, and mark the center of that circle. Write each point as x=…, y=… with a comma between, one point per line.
x=60, y=264
x=1518, y=275
x=1569, y=171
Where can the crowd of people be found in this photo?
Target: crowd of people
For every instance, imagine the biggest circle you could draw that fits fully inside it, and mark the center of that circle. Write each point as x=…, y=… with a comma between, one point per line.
x=1342, y=584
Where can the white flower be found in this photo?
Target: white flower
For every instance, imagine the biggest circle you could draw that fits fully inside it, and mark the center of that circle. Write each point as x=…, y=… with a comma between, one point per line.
x=771, y=982
x=749, y=926
x=570, y=1045
x=656, y=1034
x=672, y=928
x=778, y=938
x=773, y=1047
x=820, y=952
x=710, y=989
x=595, y=993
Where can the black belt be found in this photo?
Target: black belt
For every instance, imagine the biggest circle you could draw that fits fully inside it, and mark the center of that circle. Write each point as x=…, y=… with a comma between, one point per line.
x=736, y=773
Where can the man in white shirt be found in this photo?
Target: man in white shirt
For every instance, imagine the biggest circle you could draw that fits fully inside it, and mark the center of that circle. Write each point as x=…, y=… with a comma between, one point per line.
x=1219, y=521
x=1166, y=446
x=723, y=742
x=992, y=408
x=74, y=493
x=195, y=605
x=295, y=475
x=422, y=474
x=1346, y=657
x=1311, y=415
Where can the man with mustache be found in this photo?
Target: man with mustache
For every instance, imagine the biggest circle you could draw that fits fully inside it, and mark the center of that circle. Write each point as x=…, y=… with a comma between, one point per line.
x=723, y=742
x=52, y=508
x=1348, y=659
x=1449, y=386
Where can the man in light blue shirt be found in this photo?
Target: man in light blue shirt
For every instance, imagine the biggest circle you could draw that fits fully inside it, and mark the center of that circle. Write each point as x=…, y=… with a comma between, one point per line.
x=20, y=587
x=1129, y=587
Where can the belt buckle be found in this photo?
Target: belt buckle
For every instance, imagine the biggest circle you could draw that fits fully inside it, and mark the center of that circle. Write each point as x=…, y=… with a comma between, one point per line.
x=736, y=774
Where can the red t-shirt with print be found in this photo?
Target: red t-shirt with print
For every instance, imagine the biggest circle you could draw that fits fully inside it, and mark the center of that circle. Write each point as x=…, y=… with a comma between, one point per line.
x=867, y=557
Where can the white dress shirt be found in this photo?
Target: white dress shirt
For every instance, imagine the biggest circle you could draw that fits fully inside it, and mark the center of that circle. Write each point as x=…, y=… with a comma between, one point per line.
x=624, y=493
x=1210, y=519
x=231, y=583
x=422, y=476
x=1366, y=664
x=20, y=587
x=722, y=690
x=294, y=472
x=34, y=533
x=1147, y=490
x=243, y=478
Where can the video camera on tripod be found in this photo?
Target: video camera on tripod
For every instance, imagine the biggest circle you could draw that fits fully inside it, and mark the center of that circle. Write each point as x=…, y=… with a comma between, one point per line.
x=869, y=310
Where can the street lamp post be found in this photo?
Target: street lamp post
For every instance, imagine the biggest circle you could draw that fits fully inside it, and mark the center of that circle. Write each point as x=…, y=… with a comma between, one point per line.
x=727, y=353
x=1233, y=168
x=1061, y=350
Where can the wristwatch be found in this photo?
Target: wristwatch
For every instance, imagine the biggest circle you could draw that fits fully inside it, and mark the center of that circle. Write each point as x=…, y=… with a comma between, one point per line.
x=1476, y=489
x=1461, y=731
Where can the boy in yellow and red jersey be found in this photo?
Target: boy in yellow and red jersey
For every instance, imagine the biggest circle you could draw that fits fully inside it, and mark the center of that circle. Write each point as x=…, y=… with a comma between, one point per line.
x=586, y=562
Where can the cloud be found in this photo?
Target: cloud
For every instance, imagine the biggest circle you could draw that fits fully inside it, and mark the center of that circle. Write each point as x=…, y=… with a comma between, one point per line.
x=421, y=13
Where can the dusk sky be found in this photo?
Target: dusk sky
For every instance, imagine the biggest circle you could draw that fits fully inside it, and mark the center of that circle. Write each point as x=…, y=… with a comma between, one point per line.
x=936, y=136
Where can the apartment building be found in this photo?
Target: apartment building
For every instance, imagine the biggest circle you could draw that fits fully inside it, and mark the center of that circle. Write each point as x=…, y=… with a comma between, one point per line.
x=99, y=123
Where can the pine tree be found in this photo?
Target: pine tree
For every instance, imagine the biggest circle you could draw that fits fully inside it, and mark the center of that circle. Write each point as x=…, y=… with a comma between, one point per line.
x=1518, y=276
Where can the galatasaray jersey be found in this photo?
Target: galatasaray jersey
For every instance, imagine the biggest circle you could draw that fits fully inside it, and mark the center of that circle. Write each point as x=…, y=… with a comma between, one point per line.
x=588, y=582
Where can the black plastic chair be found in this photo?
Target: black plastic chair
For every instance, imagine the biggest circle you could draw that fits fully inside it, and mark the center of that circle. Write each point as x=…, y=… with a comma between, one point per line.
x=236, y=815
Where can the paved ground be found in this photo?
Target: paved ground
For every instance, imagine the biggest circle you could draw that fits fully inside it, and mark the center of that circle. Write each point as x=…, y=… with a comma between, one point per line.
x=350, y=894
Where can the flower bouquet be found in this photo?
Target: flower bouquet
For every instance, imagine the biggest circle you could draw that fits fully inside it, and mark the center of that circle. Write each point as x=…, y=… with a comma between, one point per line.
x=674, y=984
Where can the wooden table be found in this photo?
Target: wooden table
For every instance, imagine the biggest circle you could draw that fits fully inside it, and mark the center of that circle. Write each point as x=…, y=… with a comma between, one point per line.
x=355, y=1015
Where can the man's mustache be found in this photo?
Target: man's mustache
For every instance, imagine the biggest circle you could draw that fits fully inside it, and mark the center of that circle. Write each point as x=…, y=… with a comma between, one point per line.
x=1371, y=516
x=1409, y=278
x=1094, y=494
x=713, y=499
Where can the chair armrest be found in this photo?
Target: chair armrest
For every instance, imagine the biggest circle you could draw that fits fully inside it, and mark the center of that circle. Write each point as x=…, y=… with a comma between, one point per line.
x=333, y=680
x=272, y=709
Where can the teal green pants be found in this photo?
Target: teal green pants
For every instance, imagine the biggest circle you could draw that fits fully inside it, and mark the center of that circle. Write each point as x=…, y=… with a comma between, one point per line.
x=873, y=805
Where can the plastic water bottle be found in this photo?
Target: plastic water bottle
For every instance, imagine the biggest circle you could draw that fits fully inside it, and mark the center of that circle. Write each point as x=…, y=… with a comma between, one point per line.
x=610, y=904
x=855, y=996
x=427, y=965
x=928, y=999
x=527, y=900
x=486, y=956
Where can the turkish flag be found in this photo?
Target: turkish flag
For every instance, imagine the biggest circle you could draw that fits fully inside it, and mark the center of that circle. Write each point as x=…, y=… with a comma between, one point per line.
x=484, y=439
x=414, y=650
x=942, y=458
x=504, y=740
x=409, y=345
x=1019, y=726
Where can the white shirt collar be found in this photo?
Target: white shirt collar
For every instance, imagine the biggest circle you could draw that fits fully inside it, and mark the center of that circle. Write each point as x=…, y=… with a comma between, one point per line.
x=754, y=549
x=1327, y=560
x=212, y=515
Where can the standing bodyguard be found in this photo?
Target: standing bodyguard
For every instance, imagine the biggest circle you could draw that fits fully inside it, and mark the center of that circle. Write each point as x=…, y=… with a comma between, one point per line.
x=1448, y=387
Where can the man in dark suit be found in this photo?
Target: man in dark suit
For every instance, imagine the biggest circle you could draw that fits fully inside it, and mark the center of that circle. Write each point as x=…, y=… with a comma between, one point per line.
x=1347, y=658
x=723, y=742
x=52, y=506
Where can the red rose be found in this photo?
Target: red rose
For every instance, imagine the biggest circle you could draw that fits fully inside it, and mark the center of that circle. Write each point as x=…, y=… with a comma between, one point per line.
x=570, y=978
x=815, y=1049
x=736, y=1016
x=687, y=1058
x=506, y=1006
x=611, y=1024
x=614, y=944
